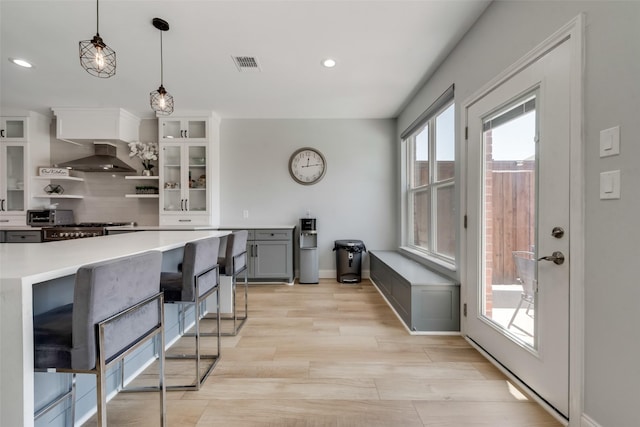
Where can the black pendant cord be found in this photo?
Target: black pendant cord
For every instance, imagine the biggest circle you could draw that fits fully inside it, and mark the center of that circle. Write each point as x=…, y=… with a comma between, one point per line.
x=161, y=63
x=98, y=17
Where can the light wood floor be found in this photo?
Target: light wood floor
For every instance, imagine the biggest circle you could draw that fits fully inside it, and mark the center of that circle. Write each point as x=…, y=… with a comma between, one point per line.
x=336, y=355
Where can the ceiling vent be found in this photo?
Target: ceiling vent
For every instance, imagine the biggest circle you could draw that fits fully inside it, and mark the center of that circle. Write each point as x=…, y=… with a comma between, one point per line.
x=246, y=63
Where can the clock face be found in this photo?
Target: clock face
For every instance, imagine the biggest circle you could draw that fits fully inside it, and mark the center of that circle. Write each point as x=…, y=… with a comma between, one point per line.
x=307, y=166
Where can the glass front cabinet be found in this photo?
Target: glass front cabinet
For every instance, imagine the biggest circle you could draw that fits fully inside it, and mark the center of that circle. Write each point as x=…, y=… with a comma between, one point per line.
x=13, y=129
x=184, y=199
x=13, y=158
x=183, y=129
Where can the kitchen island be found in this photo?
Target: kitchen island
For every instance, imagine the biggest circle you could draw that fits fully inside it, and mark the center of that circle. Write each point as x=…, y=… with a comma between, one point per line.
x=23, y=266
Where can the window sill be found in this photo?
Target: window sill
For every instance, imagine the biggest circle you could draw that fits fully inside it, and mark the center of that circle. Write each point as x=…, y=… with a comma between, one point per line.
x=434, y=263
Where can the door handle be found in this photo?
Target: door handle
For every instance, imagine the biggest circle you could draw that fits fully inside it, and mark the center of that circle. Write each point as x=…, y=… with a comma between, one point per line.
x=557, y=258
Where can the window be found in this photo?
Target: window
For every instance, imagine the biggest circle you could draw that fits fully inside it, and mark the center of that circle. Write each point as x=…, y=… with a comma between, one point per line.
x=430, y=226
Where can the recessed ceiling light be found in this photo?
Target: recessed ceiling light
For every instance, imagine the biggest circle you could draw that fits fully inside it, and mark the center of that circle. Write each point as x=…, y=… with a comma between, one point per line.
x=329, y=63
x=21, y=62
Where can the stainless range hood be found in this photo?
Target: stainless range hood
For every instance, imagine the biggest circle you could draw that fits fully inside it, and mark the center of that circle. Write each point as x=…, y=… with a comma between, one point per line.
x=104, y=160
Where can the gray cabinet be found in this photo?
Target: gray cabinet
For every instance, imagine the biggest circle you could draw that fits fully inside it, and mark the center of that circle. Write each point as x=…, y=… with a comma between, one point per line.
x=23, y=236
x=270, y=255
x=424, y=300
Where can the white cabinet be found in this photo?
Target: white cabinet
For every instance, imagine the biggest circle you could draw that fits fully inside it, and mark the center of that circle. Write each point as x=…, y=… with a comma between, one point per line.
x=184, y=198
x=13, y=195
x=24, y=145
x=13, y=129
x=189, y=170
x=184, y=129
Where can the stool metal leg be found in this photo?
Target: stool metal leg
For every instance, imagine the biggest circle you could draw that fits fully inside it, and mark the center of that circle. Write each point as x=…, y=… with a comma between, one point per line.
x=198, y=356
x=238, y=321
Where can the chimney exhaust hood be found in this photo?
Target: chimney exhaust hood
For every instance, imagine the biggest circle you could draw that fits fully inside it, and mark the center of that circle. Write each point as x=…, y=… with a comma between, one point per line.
x=104, y=160
x=96, y=124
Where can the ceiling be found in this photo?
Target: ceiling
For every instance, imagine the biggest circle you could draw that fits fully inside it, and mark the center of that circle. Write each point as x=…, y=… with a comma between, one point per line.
x=384, y=51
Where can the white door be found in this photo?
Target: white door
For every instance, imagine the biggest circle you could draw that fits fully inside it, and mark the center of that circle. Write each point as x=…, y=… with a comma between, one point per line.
x=518, y=200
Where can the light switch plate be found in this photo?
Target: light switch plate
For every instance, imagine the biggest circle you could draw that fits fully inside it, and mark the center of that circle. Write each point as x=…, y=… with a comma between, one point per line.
x=610, y=142
x=610, y=185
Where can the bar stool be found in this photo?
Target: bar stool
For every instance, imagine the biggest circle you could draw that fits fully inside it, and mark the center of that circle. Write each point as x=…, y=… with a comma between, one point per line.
x=116, y=308
x=232, y=264
x=198, y=280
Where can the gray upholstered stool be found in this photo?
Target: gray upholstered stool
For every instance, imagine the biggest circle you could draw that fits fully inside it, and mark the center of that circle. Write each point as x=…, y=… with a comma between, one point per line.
x=116, y=308
x=232, y=264
x=198, y=280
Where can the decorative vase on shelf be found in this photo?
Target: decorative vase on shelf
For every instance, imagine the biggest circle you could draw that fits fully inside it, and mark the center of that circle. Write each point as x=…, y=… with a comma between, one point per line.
x=147, y=172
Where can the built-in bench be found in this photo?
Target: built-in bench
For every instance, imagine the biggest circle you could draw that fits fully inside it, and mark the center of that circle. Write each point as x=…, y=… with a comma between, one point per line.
x=424, y=300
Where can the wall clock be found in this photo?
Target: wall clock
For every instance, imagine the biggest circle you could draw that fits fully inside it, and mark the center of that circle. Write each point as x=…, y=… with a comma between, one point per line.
x=307, y=166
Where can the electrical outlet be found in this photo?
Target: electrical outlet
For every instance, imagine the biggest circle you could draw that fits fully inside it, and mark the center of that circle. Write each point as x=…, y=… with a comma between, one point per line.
x=245, y=213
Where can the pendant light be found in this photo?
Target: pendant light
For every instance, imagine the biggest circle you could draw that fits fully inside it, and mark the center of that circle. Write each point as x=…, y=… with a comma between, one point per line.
x=161, y=100
x=95, y=56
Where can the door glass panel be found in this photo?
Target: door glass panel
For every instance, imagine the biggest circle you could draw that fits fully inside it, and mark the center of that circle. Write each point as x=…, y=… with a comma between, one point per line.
x=509, y=218
x=15, y=178
x=15, y=128
x=197, y=178
x=171, y=129
x=171, y=175
x=197, y=129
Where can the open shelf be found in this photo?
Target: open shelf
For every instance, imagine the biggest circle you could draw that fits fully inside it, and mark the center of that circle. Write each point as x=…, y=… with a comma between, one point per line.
x=58, y=196
x=142, y=196
x=155, y=178
x=58, y=178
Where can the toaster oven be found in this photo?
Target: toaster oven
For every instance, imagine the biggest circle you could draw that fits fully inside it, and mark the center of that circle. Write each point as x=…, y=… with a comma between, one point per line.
x=49, y=217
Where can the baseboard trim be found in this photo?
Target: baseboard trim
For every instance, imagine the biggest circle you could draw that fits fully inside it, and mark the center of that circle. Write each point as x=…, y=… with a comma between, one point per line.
x=587, y=421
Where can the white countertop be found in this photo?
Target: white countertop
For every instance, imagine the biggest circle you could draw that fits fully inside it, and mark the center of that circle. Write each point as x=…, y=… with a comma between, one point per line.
x=198, y=227
x=43, y=261
x=255, y=227
x=163, y=227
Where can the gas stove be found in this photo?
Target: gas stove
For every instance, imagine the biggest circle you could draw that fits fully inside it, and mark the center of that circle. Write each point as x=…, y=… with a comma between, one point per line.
x=77, y=231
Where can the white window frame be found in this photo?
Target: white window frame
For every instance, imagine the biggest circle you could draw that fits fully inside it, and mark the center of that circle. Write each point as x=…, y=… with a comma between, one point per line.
x=428, y=118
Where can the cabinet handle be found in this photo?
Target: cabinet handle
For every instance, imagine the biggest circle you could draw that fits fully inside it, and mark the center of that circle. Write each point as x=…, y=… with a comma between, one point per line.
x=4, y=220
x=184, y=220
x=1, y=205
x=256, y=251
x=1, y=133
x=186, y=204
x=186, y=135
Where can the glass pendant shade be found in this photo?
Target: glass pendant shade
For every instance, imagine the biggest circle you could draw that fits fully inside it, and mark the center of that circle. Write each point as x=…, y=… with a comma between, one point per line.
x=97, y=58
x=161, y=101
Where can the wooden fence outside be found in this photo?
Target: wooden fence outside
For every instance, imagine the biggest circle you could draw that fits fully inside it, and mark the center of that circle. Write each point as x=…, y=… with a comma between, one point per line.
x=512, y=218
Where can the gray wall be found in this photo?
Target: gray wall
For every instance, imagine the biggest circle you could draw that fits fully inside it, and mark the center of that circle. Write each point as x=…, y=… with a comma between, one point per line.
x=355, y=199
x=505, y=33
